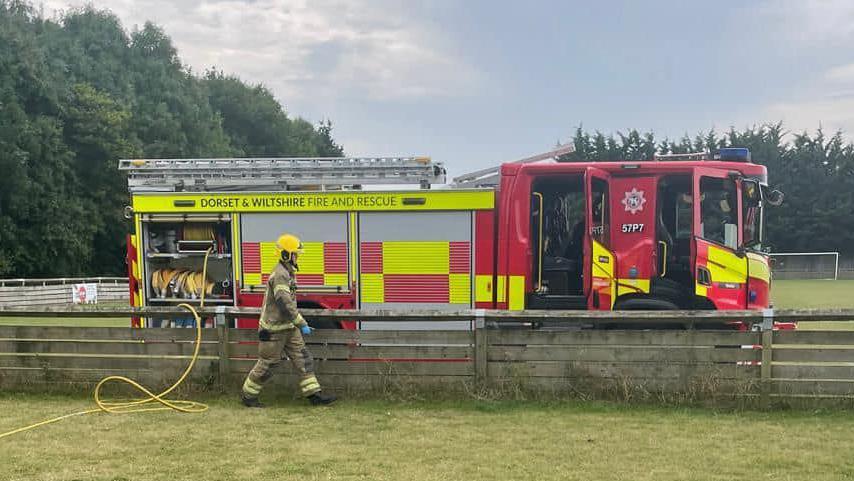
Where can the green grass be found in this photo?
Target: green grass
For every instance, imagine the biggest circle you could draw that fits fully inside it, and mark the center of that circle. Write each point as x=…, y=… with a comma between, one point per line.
x=815, y=295
x=812, y=294
x=71, y=321
x=438, y=440
x=364, y=440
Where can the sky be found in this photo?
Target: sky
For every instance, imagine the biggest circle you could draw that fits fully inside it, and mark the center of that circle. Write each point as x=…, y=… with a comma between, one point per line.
x=473, y=83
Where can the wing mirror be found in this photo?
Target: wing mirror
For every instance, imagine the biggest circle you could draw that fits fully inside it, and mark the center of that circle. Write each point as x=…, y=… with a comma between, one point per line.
x=775, y=198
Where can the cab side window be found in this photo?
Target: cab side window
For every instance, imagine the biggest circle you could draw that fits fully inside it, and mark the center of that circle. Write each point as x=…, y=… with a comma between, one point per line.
x=718, y=216
x=599, y=197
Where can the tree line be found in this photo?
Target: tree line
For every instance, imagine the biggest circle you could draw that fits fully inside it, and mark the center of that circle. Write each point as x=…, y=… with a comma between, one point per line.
x=815, y=171
x=78, y=93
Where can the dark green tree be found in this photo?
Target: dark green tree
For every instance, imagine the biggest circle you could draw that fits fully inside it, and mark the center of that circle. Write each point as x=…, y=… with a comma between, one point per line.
x=80, y=93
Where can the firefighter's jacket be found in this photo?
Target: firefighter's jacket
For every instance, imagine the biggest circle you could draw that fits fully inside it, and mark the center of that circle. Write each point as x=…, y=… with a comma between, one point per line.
x=279, y=310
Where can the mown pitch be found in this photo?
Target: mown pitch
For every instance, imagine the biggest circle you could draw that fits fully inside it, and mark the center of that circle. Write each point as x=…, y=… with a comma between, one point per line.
x=467, y=440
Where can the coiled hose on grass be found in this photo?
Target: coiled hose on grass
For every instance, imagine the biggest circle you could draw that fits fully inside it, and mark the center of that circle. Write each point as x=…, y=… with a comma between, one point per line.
x=140, y=405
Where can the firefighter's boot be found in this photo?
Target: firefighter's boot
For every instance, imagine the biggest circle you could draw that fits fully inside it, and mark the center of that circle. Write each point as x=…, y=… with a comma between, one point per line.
x=250, y=402
x=320, y=398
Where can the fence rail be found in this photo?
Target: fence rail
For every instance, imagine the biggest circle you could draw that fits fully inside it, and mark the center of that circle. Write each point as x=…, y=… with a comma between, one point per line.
x=58, y=291
x=765, y=364
x=63, y=281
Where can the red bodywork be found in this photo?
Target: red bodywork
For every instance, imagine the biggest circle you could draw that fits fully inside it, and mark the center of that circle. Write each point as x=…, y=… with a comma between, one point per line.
x=504, y=251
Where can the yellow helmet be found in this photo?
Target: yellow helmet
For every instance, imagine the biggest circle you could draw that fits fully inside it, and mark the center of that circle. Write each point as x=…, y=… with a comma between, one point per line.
x=289, y=243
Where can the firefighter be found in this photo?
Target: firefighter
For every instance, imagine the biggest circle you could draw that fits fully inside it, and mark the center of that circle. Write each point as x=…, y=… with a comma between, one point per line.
x=281, y=330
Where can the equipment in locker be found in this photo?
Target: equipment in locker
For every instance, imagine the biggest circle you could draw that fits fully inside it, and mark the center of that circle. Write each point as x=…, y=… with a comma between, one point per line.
x=198, y=238
x=186, y=284
x=163, y=241
x=189, y=238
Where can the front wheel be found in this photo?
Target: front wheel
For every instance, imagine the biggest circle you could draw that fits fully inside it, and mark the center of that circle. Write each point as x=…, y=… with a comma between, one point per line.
x=644, y=304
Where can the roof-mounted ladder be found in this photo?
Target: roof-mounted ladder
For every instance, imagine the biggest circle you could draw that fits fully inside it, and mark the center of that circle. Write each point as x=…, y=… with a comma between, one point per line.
x=704, y=155
x=491, y=176
x=274, y=174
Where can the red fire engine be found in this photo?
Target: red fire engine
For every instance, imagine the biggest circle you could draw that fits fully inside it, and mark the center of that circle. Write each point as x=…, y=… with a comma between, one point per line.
x=678, y=232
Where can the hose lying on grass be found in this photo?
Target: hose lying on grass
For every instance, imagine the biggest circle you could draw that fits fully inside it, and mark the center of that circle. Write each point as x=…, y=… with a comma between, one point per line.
x=139, y=405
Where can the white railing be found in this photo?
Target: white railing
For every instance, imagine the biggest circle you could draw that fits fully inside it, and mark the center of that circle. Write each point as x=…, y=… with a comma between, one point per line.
x=58, y=291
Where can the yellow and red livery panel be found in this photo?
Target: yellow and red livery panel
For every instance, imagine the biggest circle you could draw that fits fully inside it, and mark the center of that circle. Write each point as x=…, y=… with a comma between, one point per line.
x=323, y=264
x=416, y=272
x=727, y=280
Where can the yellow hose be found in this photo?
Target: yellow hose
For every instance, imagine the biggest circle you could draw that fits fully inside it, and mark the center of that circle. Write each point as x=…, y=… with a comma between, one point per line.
x=133, y=405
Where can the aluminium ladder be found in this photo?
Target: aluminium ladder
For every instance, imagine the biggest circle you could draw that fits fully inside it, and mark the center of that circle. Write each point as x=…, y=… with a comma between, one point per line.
x=491, y=176
x=278, y=174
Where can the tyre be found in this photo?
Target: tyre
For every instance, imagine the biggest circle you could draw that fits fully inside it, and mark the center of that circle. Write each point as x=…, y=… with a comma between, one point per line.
x=645, y=304
x=322, y=324
x=669, y=290
x=315, y=323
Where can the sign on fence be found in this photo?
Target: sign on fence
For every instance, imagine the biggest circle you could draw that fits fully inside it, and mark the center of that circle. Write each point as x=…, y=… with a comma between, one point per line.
x=84, y=293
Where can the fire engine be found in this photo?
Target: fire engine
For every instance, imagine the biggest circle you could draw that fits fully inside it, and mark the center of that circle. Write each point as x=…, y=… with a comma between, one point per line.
x=675, y=232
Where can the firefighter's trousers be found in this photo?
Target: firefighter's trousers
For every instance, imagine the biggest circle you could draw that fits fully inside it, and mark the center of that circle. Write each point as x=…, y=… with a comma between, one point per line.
x=270, y=353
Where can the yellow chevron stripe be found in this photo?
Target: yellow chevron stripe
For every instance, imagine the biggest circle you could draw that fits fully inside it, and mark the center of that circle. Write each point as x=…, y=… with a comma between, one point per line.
x=501, y=287
x=483, y=288
x=311, y=260
x=604, y=270
x=251, y=279
x=353, y=236
x=236, y=255
x=405, y=257
x=335, y=280
x=725, y=266
x=758, y=267
x=372, y=288
x=459, y=289
x=641, y=285
x=517, y=293
x=269, y=256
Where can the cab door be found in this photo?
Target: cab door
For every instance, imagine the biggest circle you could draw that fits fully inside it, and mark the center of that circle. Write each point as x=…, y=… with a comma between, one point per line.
x=721, y=266
x=599, y=260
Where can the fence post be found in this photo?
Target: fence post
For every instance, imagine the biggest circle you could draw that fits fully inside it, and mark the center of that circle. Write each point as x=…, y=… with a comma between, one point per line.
x=224, y=364
x=481, y=345
x=767, y=350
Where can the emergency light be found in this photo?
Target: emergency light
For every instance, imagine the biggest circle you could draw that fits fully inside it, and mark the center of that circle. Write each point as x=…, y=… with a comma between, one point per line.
x=735, y=154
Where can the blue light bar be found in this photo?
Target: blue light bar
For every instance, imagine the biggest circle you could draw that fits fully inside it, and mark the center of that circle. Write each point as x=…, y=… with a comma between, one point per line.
x=735, y=154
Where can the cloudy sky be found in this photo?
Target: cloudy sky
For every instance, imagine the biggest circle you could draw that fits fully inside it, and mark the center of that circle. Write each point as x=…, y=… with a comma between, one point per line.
x=476, y=82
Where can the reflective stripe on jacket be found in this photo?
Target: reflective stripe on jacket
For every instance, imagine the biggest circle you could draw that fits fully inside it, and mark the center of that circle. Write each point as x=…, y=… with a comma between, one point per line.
x=279, y=309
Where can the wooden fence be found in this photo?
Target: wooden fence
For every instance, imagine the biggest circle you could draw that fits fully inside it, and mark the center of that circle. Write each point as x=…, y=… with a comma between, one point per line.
x=48, y=292
x=765, y=364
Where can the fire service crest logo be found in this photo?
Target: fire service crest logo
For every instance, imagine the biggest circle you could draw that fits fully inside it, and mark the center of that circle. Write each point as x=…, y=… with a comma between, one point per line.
x=634, y=201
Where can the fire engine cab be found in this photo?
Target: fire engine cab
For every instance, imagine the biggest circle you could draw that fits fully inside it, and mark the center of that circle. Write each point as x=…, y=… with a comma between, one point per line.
x=676, y=232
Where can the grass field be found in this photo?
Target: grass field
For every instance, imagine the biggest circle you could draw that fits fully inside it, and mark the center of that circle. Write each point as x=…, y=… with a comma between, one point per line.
x=432, y=440
x=815, y=295
x=812, y=294
x=361, y=440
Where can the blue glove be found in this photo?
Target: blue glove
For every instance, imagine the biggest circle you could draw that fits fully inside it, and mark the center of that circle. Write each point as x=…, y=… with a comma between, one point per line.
x=306, y=330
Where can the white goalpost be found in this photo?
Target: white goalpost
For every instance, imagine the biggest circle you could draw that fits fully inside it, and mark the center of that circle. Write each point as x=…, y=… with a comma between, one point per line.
x=805, y=265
